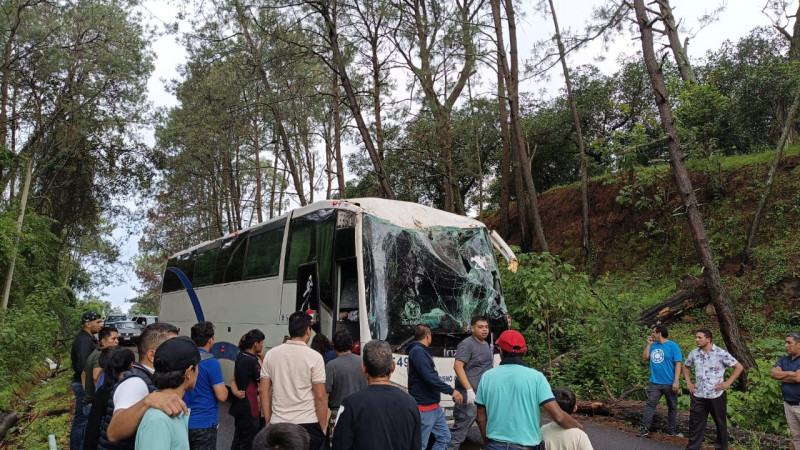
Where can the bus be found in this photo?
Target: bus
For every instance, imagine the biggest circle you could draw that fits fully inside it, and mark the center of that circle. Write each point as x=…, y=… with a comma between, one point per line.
x=372, y=266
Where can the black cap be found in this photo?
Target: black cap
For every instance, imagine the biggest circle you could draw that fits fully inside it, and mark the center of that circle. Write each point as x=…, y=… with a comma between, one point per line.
x=90, y=316
x=176, y=354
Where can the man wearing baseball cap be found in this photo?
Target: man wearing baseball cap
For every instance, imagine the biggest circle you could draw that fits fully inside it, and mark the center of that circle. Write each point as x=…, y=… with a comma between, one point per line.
x=176, y=363
x=509, y=397
x=82, y=347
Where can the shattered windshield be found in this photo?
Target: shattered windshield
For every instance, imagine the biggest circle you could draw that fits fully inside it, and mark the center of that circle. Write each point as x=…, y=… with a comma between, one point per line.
x=440, y=277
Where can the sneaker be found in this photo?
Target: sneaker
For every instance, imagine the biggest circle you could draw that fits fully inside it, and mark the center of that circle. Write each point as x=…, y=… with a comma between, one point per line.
x=642, y=433
x=680, y=435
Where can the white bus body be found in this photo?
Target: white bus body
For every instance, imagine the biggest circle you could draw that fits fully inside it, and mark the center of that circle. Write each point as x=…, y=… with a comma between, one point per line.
x=375, y=267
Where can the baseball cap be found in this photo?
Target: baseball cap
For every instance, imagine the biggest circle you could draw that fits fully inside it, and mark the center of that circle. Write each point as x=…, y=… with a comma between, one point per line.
x=176, y=354
x=511, y=342
x=90, y=316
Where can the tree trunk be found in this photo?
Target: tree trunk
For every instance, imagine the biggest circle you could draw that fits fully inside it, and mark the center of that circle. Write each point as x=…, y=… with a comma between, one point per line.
x=691, y=292
x=256, y=151
x=517, y=137
x=678, y=49
x=505, y=163
x=352, y=101
x=788, y=126
x=23, y=203
x=5, y=85
x=579, y=135
x=725, y=315
x=274, y=182
x=276, y=112
x=337, y=138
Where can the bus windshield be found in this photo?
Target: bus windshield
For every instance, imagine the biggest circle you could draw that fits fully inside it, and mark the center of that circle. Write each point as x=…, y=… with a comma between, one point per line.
x=439, y=276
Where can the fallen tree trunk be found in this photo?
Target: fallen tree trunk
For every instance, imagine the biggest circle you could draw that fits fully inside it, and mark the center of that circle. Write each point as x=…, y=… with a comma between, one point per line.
x=692, y=292
x=632, y=411
x=6, y=422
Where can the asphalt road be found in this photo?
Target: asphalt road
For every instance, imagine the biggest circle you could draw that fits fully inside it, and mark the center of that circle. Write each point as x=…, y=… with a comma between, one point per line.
x=602, y=438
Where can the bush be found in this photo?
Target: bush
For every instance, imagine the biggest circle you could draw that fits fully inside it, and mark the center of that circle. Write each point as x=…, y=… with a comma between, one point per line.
x=42, y=326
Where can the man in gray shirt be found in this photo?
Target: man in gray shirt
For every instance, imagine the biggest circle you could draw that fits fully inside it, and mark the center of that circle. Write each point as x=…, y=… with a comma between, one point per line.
x=473, y=359
x=343, y=375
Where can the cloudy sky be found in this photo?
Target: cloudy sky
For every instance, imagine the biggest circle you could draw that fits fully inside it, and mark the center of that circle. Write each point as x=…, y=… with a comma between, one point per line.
x=736, y=20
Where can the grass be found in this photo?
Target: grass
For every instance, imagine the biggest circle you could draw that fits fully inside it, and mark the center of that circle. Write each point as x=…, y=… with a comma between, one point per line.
x=48, y=411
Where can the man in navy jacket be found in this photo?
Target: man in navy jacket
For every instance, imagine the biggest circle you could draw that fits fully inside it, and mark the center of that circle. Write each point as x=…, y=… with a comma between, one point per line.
x=425, y=386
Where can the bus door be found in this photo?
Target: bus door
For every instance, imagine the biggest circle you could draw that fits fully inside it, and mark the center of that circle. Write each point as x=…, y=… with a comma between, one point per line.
x=346, y=275
x=307, y=284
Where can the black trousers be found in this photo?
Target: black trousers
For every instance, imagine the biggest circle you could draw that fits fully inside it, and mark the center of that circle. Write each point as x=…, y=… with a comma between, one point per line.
x=316, y=437
x=245, y=430
x=698, y=416
x=203, y=438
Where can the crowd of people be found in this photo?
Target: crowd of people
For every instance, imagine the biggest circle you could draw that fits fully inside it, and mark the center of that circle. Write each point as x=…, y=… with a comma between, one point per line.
x=336, y=394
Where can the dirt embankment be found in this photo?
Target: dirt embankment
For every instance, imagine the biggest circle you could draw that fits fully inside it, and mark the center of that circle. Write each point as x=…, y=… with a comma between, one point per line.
x=625, y=211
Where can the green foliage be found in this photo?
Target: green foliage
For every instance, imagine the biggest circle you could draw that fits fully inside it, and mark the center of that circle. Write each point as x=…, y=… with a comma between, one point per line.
x=759, y=408
x=40, y=327
x=548, y=299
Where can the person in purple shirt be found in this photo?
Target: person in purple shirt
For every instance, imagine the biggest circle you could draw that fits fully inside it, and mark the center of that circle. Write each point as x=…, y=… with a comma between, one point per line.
x=209, y=390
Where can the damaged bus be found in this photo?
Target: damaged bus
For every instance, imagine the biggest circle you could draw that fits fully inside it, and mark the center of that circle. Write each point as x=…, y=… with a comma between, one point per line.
x=372, y=266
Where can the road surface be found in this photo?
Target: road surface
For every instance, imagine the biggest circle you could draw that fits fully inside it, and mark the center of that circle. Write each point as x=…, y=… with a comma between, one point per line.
x=603, y=438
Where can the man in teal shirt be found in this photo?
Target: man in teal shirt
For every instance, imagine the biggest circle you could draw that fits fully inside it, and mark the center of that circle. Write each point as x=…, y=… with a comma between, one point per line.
x=176, y=362
x=509, y=397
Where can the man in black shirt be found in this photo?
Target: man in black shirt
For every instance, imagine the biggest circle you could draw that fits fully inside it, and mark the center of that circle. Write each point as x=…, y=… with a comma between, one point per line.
x=82, y=347
x=382, y=415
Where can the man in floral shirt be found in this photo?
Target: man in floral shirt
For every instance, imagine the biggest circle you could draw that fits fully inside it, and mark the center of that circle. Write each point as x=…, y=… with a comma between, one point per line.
x=708, y=391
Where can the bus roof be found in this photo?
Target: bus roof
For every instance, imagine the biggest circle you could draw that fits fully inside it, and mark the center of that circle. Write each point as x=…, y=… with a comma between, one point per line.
x=401, y=213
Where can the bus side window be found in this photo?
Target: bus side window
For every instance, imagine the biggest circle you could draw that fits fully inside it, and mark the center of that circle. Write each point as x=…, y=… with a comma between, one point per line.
x=204, y=267
x=235, y=266
x=264, y=254
x=311, y=239
x=185, y=263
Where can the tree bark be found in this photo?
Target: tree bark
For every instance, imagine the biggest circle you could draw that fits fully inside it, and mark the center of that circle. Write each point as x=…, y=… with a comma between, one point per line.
x=352, y=101
x=692, y=292
x=276, y=112
x=256, y=154
x=579, y=135
x=23, y=203
x=505, y=163
x=788, y=127
x=511, y=75
x=725, y=315
x=678, y=49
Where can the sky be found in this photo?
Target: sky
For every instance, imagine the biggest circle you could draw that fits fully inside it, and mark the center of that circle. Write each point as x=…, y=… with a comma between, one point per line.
x=735, y=21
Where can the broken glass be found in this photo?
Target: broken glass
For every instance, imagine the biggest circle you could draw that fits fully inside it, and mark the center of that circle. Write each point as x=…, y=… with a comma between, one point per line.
x=438, y=276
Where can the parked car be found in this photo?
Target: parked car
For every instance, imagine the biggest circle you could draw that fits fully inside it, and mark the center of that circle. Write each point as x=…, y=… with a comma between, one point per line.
x=145, y=320
x=129, y=332
x=112, y=319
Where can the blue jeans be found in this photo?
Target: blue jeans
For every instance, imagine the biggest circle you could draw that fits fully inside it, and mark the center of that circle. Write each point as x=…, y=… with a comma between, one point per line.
x=80, y=419
x=434, y=422
x=654, y=393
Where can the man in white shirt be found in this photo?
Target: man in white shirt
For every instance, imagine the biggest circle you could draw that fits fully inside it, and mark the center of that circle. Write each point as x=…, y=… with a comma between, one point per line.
x=292, y=386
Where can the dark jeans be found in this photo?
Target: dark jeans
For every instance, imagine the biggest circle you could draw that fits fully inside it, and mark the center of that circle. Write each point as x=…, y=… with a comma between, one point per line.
x=698, y=415
x=203, y=438
x=245, y=429
x=79, y=420
x=316, y=437
x=654, y=393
